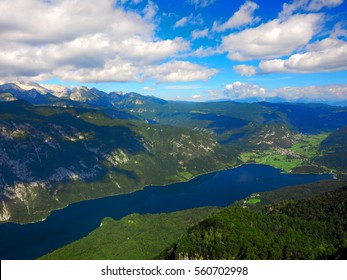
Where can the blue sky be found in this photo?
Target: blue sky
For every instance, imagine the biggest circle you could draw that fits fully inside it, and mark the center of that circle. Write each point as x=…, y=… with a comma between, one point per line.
x=180, y=50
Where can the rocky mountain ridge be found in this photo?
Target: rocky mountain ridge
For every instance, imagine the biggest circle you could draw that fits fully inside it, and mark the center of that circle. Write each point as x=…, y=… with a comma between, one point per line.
x=81, y=143
x=48, y=94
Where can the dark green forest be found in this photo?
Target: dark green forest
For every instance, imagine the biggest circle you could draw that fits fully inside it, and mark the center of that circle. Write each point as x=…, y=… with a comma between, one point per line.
x=314, y=228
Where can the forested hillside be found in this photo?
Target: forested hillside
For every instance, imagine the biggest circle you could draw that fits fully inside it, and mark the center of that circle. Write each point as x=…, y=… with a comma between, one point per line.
x=314, y=228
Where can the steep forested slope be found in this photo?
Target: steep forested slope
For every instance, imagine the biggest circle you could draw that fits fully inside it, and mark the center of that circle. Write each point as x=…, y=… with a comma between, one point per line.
x=133, y=237
x=51, y=157
x=334, y=148
x=314, y=228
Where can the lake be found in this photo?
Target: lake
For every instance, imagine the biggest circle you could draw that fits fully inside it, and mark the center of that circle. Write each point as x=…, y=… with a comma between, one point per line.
x=77, y=220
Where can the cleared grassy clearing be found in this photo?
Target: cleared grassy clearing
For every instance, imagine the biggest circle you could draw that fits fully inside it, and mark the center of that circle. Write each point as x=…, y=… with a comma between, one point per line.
x=253, y=201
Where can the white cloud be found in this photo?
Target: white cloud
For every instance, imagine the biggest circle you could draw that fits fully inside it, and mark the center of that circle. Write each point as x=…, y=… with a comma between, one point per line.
x=338, y=31
x=113, y=70
x=289, y=9
x=272, y=39
x=181, y=22
x=245, y=70
x=196, y=34
x=82, y=40
x=135, y=49
x=150, y=10
x=324, y=56
x=196, y=96
x=208, y=51
x=331, y=94
x=244, y=16
x=149, y=89
x=60, y=21
x=238, y=90
x=180, y=71
x=200, y=3
x=307, y=6
x=191, y=19
x=316, y=5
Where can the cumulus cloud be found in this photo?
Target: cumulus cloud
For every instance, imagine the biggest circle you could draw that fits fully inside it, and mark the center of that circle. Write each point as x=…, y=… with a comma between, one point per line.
x=238, y=90
x=245, y=70
x=60, y=21
x=85, y=41
x=200, y=3
x=196, y=34
x=272, y=39
x=196, y=96
x=135, y=49
x=324, y=56
x=113, y=70
x=331, y=94
x=244, y=16
x=180, y=71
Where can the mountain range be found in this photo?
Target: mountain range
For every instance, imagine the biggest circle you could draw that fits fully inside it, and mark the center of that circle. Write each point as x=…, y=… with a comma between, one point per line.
x=60, y=145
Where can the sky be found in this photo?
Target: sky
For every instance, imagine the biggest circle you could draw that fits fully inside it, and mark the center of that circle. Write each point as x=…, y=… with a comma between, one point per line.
x=181, y=50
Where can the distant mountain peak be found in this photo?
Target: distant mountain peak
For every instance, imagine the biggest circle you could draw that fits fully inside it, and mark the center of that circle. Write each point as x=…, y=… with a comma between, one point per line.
x=27, y=86
x=11, y=86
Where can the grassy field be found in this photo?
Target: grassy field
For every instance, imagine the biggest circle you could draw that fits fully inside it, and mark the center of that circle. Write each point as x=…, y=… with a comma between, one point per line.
x=308, y=146
x=253, y=201
x=300, y=154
